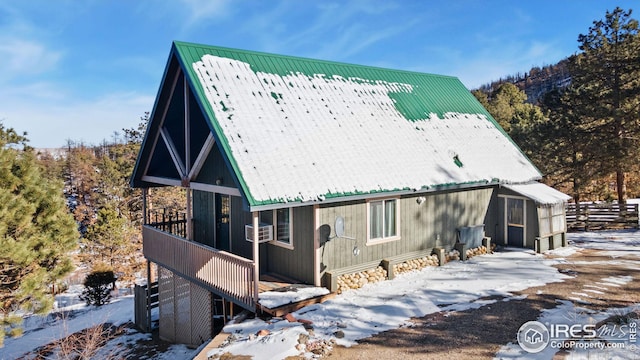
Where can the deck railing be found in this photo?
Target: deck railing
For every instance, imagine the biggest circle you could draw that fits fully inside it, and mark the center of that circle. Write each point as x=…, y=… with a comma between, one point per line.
x=222, y=273
x=173, y=222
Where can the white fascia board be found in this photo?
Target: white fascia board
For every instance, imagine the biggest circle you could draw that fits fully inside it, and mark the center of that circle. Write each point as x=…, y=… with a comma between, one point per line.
x=364, y=197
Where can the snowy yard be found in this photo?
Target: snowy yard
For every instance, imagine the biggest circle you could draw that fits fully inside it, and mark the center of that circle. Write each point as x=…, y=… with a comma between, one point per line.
x=387, y=305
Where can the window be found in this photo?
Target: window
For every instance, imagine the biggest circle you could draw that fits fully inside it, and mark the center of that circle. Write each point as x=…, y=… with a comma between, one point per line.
x=384, y=219
x=283, y=226
x=552, y=219
x=515, y=212
x=280, y=219
x=265, y=217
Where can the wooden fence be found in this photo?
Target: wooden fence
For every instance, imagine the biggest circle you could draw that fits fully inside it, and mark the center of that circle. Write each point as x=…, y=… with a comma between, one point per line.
x=144, y=302
x=602, y=216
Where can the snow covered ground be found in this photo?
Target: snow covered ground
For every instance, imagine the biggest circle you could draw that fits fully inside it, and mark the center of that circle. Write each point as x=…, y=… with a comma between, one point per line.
x=76, y=316
x=376, y=307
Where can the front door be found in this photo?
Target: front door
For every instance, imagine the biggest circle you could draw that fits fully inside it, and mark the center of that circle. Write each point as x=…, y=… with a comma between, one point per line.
x=515, y=222
x=223, y=210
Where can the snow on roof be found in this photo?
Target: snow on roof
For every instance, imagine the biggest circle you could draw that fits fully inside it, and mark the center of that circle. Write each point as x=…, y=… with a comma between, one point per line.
x=306, y=137
x=540, y=193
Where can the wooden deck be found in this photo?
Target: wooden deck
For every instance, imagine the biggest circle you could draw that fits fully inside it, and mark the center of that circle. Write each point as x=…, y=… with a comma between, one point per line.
x=226, y=275
x=271, y=282
x=276, y=282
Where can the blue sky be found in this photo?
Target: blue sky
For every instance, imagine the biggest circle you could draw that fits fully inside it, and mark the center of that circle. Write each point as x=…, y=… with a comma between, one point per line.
x=83, y=70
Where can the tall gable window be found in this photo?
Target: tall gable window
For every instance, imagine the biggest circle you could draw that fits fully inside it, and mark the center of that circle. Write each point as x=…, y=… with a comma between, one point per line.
x=383, y=220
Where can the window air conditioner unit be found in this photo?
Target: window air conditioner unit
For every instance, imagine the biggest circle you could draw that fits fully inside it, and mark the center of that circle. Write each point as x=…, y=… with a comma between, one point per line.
x=265, y=233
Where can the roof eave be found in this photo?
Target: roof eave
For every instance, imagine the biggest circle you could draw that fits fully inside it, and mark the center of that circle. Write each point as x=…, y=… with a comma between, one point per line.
x=375, y=195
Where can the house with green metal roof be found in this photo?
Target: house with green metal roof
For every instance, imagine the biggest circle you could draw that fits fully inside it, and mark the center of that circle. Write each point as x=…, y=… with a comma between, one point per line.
x=301, y=170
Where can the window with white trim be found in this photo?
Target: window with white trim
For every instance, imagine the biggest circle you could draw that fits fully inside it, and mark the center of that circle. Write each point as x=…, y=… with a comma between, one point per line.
x=281, y=220
x=283, y=226
x=552, y=219
x=383, y=220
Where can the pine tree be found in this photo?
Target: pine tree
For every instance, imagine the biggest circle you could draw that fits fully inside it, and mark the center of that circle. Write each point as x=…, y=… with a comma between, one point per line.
x=606, y=75
x=109, y=241
x=507, y=104
x=36, y=233
x=571, y=150
x=98, y=285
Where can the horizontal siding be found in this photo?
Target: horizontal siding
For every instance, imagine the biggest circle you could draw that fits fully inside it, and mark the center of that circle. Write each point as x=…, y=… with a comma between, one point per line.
x=296, y=263
x=423, y=226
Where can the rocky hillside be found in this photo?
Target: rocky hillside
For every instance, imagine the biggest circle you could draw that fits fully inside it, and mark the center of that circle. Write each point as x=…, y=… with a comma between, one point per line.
x=536, y=82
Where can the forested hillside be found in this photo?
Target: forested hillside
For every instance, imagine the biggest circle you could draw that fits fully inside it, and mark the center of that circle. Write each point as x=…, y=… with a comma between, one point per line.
x=536, y=82
x=579, y=120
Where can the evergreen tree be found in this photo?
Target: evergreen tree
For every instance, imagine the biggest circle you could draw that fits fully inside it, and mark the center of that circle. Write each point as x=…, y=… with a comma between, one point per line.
x=507, y=104
x=571, y=148
x=606, y=76
x=503, y=103
x=98, y=285
x=82, y=177
x=109, y=241
x=36, y=233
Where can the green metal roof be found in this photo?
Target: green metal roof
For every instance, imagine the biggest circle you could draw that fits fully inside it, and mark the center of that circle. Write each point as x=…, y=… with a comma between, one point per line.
x=297, y=129
x=433, y=93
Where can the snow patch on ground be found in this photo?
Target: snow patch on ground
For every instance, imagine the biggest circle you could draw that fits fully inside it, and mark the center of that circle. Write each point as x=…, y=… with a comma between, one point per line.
x=41, y=330
x=377, y=307
x=386, y=305
x=563, y=251
x=614, y=243
x=273, y=299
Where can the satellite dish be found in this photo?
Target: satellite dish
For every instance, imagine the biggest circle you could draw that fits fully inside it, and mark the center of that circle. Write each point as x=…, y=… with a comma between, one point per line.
x=339, y=226
x=340, y=229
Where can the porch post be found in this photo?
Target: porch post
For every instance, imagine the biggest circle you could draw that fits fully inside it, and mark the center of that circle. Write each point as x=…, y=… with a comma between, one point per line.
x=316, y=245
x=145, y=220
x=189, y=226
x=256, y=255
x=148, y=324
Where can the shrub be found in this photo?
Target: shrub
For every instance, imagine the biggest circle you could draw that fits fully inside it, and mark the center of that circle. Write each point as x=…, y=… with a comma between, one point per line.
x=97, y=287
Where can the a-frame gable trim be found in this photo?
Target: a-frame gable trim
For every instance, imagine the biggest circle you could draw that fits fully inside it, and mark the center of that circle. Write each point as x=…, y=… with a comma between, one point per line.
x=161, y=180
x=221, y=142
x=157, y=131
x=187, y=126
x=165, y=109
x=202, y=156
x=177, y=162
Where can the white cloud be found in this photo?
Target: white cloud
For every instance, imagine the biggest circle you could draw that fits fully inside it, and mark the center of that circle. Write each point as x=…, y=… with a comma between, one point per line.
x=202, y=10
x=50, y=121
x=324, y=30
x=491, y=61
x=20, y=57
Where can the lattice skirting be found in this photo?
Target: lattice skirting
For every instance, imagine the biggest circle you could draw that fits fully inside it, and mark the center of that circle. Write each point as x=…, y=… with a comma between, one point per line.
x=185, y=309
